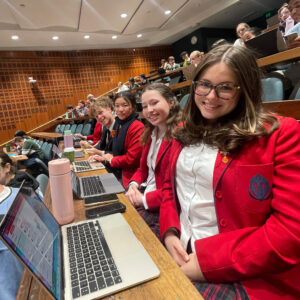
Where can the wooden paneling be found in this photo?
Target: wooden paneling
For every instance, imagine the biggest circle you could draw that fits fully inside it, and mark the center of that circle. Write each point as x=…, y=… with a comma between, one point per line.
x=63, y=78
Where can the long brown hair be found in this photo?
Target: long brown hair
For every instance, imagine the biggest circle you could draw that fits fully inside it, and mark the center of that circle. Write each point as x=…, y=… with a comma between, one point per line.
x=5, y=159
x=246, y=122
x=174, y=117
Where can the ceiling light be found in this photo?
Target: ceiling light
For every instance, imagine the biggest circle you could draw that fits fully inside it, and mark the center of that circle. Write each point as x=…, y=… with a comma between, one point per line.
x=167, y=12
x=139, y=35
x=55, y=37
x=114, y=37
x=123, y=15
x=86, y=36
x=14, y=37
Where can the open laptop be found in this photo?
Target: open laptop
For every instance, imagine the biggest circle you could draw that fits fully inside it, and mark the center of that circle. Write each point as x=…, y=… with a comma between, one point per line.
x=98, y=185
x=56, y=150
x=85, y=165
x=84, y=260
x=267, y=43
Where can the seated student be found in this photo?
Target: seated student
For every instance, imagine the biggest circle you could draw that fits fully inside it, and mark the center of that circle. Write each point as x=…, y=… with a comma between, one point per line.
x=230, y=211
x=240, y=29
x=294, y=7
x=132, y=83
x=286, y=22
x=126, y=145
x=102, y=110
x=163, y=114
x=250, y=33
x=171, y=64
x=185, y=57
x=69, y=112
x=196, y=57
x=27, y=146
x=81, y=109
x=122, y=87
x=143, y=79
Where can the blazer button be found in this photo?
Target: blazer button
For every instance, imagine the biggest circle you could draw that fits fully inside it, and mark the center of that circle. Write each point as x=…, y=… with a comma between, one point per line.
x=225, y=159
x=219, y=194
x=223, y=222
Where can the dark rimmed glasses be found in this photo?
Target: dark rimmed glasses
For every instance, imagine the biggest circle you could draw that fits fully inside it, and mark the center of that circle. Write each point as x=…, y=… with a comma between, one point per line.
x=225, y=91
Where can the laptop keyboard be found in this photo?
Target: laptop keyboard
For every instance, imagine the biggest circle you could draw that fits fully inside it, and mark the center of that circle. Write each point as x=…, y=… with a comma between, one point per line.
x=92, y=266
x=92, y=185
x=82, y=166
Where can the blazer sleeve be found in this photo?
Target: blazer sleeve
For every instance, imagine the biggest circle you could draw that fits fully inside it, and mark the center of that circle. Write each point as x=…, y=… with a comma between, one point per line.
x=131, y=158
x=273, y=247
x=141, y=174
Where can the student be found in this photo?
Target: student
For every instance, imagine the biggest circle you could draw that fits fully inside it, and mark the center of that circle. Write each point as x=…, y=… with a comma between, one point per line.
x=102, y=110
x=122, y=87
x=230, y=211
x=35, y=162
x=171, y=64
x=196, y=57
x=81, y=109
x=286, y=22
x=185, y=57
x=240, y=29
x=126, y=146
x=162, y=113
x=250, y=34
x=294, y=7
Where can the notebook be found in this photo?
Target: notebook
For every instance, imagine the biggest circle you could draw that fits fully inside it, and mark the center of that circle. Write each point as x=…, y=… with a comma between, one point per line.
x=85, y=165
x=97, y=185
x=267, y=43
x=83, y=260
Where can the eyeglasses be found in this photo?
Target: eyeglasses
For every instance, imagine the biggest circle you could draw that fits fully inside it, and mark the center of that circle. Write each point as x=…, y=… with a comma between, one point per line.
x=225, y=91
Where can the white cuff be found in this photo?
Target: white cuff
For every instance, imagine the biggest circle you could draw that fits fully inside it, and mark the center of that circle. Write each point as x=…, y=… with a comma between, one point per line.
x=145, y=202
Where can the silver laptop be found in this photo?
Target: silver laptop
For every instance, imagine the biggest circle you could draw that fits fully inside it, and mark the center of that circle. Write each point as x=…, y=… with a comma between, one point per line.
x=84, y=260
x=56, y=150
x=98, y=185
x=85, y=165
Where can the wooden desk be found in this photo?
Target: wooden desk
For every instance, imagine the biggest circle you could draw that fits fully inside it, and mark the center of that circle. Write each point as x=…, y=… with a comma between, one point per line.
x=171, y=284
x=286, y=108
x=46, y=135
x=287, y=55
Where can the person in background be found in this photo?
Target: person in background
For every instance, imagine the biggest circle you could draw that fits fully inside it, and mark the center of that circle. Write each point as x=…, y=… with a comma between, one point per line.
x=143, y=79
x=230, y=210
x=102, y=110
x=122, y=87
x=88, y=105
x=294, y=7
x=250, y=34
x=240, y=29
x=171, y=64
x=81, y=109
x=91, y=98
x=162, y=113
x=185, y=57
x=132, y=83
x=219, y=43
x=286, y=22
x=69, y=112
x=163, y=64
x=35, y=164
x=126, y=146
x=196, y=57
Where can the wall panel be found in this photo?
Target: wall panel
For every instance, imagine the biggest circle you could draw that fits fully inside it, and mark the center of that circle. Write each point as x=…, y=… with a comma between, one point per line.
x=63, y=77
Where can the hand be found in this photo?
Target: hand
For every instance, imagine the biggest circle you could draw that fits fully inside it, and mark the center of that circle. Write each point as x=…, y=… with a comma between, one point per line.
x=80, y=135
x=93, y=151
x=175, y=248
x=84, y=144
x=96, y=157
x=108, y=156
x=134, y=195
x=192, y=269
x=294, y=43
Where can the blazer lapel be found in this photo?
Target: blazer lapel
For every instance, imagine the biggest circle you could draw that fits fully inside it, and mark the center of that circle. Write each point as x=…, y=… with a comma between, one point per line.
x=164, y=146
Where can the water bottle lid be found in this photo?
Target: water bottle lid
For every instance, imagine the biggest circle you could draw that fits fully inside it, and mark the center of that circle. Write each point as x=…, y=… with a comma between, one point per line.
x=69, y=149
x=59, y=166
x=68, y=132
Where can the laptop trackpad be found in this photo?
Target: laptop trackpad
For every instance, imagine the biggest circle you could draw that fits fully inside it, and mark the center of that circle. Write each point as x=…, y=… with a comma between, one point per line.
x=111, y=184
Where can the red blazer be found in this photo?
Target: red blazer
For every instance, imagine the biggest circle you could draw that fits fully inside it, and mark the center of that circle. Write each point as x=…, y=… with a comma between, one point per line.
x=129, y=162
x=257, y=200
x=96, y=136
x=154, y=198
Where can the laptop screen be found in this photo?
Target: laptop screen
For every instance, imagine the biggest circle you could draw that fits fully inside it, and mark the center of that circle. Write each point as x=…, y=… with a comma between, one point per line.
x=33, y=234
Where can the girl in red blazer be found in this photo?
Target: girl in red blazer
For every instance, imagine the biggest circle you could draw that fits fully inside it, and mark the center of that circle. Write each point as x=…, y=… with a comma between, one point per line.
x=230, y=211
x=126, y=144
x=162, y=113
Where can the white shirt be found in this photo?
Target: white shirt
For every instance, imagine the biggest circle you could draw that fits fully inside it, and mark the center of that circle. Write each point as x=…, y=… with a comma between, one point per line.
x=123, y=88
x=194, y=186
x=151, y=160
x=239, y=42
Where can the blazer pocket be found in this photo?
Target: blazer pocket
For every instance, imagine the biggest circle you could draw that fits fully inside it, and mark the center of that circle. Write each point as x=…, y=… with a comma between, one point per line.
x=254, y=185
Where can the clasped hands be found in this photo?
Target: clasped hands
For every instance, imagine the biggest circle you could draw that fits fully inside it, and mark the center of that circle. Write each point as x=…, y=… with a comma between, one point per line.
x=134, y=195
x=188, y=263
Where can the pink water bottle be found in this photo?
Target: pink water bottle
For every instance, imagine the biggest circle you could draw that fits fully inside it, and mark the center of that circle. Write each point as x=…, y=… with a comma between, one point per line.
x=61, y=190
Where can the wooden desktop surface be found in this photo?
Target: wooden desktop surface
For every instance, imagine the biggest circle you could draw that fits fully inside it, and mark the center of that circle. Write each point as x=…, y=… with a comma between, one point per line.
x=46, y=135
x=287, y=55
x=171, y=284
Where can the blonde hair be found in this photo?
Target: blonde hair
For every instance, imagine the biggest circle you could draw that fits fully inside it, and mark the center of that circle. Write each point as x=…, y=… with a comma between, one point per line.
x=102, y=102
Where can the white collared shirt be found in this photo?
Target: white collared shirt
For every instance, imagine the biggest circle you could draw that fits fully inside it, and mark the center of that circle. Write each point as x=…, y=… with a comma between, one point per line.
x=194, y=186
x=151, y=160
